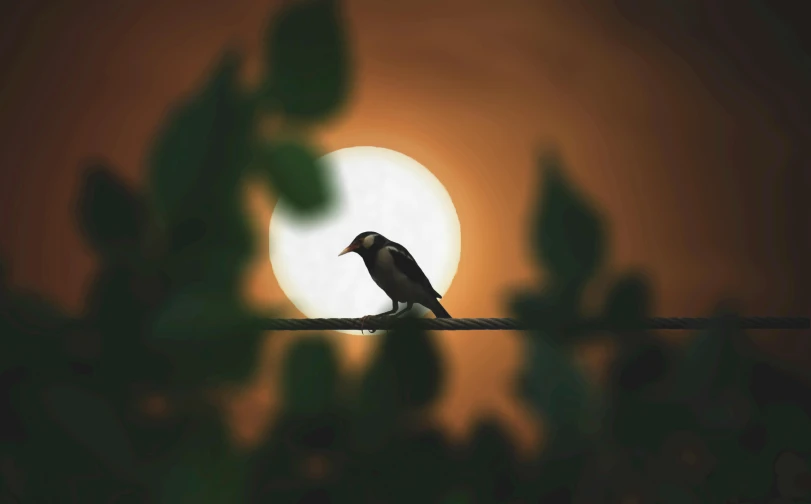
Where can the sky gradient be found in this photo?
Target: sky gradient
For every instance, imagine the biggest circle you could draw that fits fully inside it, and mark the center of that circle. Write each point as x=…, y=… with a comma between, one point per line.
x=683, y=128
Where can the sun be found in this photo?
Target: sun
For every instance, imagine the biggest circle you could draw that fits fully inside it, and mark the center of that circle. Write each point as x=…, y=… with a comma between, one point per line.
x=378, y=190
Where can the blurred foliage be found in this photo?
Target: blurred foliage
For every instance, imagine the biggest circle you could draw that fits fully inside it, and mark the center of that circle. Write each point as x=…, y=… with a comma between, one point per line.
x=116, y=405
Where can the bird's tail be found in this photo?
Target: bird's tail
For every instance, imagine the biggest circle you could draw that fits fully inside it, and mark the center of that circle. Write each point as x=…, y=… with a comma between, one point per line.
x=439, y=311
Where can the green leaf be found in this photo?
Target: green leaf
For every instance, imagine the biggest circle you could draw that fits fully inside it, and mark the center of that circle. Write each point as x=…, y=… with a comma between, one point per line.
x=789, y=428
x=203, y=470
x=214, y=249
x=677, y=494
x=412, y=355
x=628, y=303
x=200, y=155
x=92, y=423
x=712, y=362
x=211, y=336
x=559, y=392
x=297, y=174
x=458, y=497
x=569, y=238
x=734, y=461
x=492, y=461
x=377, y=408
x=308, y=60
x=553, y=311
x=111, y=214
x=29, y=327
x=310, y=377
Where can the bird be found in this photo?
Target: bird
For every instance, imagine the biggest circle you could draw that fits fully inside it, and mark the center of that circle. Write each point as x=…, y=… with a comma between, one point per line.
x=395, y=271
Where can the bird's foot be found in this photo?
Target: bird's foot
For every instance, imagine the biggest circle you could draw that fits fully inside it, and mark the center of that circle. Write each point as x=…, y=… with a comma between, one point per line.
x=365, y=319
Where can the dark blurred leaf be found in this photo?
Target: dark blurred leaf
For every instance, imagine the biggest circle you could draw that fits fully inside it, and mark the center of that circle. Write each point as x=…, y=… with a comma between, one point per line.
x=793, y=474
x=560, y=393
x=308, y=60
x=677, y=494
x=121, y=296
x=555, y=311
x=212, y=336
x=199, y=313
x=186, y=233
x=203, y=470
x=378, y=407
x=31, y=313
x=297, y=174
x=628, y=303
x=788, y=426
x=217, y=260
x=538, y=310
x=642, y=423
x=492, y=463
x=738, y=474
x=109, y=344
x=310, y=376
x=684, y=459
x=30, y=328
x=413, y=357
x=569, y=237
x=111, y=214
x=411, y=467
x=89, y=420
x=458, y=498
x=200, y=155
x=712, y=363
x=726, y=413
x=641, y=366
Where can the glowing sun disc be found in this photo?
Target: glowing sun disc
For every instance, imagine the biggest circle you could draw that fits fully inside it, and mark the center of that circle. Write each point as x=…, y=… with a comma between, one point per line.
x=376, y=190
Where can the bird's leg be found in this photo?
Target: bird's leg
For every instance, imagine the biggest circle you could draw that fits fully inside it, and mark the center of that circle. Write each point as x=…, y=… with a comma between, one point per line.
x=408, y=307
x=394, y=307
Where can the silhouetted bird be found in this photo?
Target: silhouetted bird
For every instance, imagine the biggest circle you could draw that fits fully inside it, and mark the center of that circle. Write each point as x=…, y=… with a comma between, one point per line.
x=396, y=272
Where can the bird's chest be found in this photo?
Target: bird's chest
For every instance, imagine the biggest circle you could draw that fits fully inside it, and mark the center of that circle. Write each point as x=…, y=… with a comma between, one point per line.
x=386, y=275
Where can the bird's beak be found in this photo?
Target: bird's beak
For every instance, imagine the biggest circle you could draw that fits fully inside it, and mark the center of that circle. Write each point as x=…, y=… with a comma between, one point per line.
x=348, y=249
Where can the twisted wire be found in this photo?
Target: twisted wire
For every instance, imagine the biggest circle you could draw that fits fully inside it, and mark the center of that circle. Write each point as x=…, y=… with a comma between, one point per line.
x=509, y=324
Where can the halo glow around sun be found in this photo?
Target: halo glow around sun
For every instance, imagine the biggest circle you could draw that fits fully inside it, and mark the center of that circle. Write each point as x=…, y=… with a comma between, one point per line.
x=376, y=190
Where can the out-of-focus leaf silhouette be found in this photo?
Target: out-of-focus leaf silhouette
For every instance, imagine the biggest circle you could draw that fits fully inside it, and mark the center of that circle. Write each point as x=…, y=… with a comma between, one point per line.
x=559, y=392
x=569, y=238
x=202, y=469
x=737, y=473
x=412, y=355
x=492, y=464
x=405, y=376
x=377, y=407
x=199, y=157
x=310, y=377
x=297, y=173
x=554, y=312
x=684, y=459
x=111, y=214
x=793, y=475
x=711, y=362
x=308, y=60
x=88, y=419
x=209, y=335
x=789, y=428
x=628, y=303
x=713, y=378
x=411, y=466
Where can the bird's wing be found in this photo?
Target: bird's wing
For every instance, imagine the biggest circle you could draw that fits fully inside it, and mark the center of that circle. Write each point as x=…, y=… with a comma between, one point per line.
x=405, y=263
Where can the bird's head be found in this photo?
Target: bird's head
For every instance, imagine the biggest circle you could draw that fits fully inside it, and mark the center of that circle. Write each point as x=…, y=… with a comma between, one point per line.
x=363, y=243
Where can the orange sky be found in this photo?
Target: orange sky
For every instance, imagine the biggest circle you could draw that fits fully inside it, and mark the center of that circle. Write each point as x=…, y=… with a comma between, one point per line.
x=699, y=169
